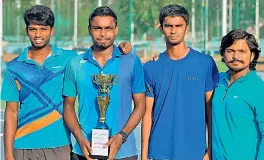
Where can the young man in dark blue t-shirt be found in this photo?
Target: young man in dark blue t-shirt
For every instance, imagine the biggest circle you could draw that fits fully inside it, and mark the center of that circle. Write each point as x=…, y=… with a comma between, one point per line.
x=179, y=89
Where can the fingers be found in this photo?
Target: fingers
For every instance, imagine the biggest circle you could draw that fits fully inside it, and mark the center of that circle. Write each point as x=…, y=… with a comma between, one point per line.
x=114, y=143
x=85, y=152
x=155, y=57
x=111, y=153
x=108, y=143
x=86, y=148
x=122, y=47
x=125, y=47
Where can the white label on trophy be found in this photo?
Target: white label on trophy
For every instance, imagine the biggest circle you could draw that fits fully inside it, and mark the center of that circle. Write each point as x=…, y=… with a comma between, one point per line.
x=99, y=138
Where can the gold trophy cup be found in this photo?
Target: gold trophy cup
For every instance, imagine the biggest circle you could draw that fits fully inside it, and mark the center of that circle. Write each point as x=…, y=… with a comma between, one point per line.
x=100, y=135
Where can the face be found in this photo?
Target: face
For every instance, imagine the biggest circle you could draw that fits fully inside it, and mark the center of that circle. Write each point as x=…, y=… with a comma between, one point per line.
x=238, y=56
x=103, y=31
x=39, y=35
x=174, y=29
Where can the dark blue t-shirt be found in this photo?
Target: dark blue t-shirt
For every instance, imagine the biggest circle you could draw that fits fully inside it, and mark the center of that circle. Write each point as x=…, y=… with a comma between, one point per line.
x=178, y=119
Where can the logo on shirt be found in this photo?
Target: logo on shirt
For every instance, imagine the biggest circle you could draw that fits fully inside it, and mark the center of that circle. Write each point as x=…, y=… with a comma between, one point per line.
x=193, y=78
x=235, y=97
x=82, y=61
x=57, y=67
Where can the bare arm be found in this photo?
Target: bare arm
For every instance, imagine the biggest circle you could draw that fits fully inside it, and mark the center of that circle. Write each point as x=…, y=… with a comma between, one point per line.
x=10, y=127
x=208, y=99
x=137, y=114
x=71, y=121
x=146, y=127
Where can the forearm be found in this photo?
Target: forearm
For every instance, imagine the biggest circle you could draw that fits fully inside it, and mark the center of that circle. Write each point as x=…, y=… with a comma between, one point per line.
x=136, y=115
x=10, y=127
x=209, y=126
x=145, y=133
x=208, y=98
x=71, y=121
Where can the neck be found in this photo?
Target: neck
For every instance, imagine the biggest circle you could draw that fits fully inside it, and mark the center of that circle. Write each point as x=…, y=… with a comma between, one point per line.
x=39, y=52
x=102, y=53
x=178, y=51
x=236, y=75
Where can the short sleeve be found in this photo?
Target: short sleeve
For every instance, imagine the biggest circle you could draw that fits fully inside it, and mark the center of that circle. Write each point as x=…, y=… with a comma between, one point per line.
x=148, y=83
x=212, y=76
x=138, y=77
x=9, y=87
x=69, y=83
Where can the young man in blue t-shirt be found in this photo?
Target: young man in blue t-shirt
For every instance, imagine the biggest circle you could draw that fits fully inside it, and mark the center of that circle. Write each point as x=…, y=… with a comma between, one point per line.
x=179, y=87
x=104, y=57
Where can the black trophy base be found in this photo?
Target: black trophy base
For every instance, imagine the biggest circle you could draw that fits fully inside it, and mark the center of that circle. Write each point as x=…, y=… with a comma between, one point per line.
x=99, y=157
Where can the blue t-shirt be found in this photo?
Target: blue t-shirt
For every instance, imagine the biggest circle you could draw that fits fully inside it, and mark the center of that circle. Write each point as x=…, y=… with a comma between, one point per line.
x=238, y=118
x=38, y=89
x=131, y=81
x=178, y=118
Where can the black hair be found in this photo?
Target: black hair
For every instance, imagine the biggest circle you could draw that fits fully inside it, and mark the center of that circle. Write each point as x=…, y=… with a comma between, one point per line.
x=39, y=15
x=103, y=11
x=174, y=10
x=239, y=34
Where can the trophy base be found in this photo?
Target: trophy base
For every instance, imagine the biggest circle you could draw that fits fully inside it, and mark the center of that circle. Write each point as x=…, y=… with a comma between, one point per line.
x=99, y=138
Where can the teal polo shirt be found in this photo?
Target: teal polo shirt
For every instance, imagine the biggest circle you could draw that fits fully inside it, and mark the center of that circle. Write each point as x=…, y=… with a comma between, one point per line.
x=38, y=89
x=238, y=118
x=78, y=82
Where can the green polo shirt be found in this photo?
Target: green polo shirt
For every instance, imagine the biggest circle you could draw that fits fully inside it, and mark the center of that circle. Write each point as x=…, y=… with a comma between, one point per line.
x=238, y=118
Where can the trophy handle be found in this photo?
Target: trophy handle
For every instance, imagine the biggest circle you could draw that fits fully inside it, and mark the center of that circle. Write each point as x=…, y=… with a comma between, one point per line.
x=115, y=80
x=93, y=79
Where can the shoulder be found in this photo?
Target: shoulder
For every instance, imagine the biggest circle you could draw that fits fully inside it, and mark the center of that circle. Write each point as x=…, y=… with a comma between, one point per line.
x=131, y=60
x=257, y=83
x=13, y=63
x=77, y=60
x=203, y=58
x=70, y=53
x=152, y=64
x=222, y=75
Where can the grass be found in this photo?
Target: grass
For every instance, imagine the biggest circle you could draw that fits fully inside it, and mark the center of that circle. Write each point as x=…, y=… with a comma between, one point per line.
x=2, y=107
x=221, y=66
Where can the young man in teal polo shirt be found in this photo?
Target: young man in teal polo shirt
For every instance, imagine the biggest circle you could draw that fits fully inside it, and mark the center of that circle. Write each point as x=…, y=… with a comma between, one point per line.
x=238, y=101
x=104, y=57
x=32, y=87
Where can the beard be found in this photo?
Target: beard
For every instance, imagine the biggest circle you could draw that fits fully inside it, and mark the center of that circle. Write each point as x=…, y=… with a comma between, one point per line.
x=174, y=43
x=103, y=45
x=236, y=69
